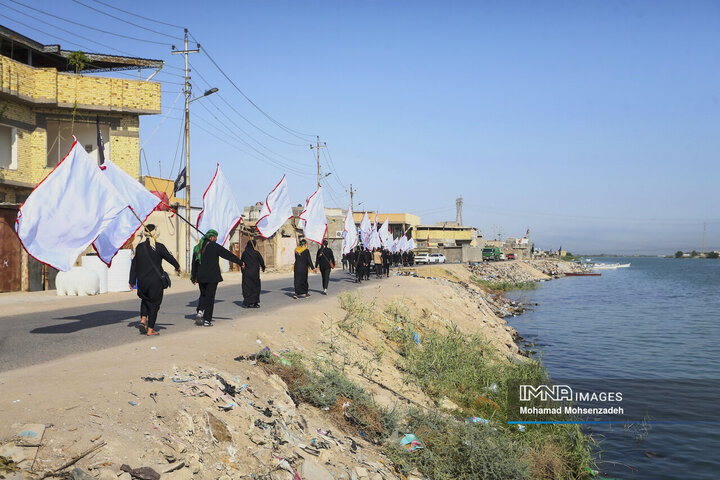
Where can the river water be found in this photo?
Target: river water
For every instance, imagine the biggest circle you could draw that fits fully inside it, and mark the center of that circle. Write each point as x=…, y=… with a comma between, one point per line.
x=657, y=324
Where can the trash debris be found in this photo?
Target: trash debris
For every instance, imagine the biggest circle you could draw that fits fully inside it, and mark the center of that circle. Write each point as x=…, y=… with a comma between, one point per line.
x=521, y=428
x=411, y=442
x=80, y=474
x=483, y=421
x=416, y=337
x=154, y=379
x=143, y=473
x=133, y=404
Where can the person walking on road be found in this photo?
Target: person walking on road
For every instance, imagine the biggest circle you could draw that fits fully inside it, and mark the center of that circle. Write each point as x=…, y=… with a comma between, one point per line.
x=251, y=264
x=359, y=262
x=303, y=264
x=378, y=260
x=206, y=273
x=325, y=261
x=146, y=274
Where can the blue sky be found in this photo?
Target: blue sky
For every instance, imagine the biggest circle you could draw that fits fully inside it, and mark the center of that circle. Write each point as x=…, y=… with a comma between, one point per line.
x=595, y=123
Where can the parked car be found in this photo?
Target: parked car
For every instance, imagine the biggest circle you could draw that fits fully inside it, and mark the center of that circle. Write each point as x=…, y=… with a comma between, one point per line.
x=510, y=256
x=502, y=255
x=437, y=258
x=422, y=258
x=491, y=253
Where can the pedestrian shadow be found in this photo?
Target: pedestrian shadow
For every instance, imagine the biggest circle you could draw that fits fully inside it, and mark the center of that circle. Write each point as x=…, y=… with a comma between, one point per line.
x=193, y=316
x=95, y=319
x=194, y=303
x=288, y=289
x=241, y=304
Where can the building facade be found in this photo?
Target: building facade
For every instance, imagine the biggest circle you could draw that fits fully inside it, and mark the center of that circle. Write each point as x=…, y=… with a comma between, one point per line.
x=43, y=104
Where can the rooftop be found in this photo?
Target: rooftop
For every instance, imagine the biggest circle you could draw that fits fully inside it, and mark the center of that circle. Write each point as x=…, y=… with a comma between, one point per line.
x=26, y=50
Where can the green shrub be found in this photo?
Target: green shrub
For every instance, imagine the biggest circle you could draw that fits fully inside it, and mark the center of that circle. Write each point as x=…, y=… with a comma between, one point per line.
x=504, y=286
x=346, y=401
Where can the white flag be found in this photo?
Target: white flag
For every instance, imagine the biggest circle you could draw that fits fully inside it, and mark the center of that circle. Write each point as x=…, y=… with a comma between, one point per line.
x=402, y=244
x=220, y=210
x=67, y=210
x=410, y=245
x=276, y=211
x=315, y=222
x=350, y=236
x=365, y=229
x=385, y=236
x=137, y=198
x=374, y=240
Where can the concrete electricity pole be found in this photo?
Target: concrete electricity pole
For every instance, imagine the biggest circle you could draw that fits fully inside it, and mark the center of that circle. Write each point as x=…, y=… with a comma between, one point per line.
x=187, y=88
x=317, y=147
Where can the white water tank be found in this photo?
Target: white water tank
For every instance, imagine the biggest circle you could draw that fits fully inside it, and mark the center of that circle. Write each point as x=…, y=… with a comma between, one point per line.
x=93, y=262
x=119, y=272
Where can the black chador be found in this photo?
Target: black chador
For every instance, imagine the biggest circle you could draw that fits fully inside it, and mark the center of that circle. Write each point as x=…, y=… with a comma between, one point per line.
x=359, y=263
x=303, y=264
x=206, y=273
x=351, y=261
x=145, y=271
x=325, y=261
x=367, y=258
x=251, y=263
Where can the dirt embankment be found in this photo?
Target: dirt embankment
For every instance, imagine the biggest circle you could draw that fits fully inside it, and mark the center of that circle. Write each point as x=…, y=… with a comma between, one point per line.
x=198, y=404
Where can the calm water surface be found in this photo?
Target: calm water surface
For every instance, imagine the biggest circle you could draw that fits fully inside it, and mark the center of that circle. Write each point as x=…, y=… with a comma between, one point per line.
x=658, y=319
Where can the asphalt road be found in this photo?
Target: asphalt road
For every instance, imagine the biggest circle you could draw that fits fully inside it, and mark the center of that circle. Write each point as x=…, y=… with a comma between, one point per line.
x=34, y=338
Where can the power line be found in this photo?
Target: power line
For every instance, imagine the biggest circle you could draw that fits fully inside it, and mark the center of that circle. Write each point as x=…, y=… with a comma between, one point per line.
x=237, y=137
x=126, y=21
x=240, y=128
x=88, y=26
x=243, y=117
x=224, y=140
x=136, y=15
x=295, y=133
x=161, y=122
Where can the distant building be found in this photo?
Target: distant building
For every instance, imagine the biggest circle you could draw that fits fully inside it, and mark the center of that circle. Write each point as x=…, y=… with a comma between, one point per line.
x=43, y=103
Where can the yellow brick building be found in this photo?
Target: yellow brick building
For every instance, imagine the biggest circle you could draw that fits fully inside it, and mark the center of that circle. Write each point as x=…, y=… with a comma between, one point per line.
x=43, y=103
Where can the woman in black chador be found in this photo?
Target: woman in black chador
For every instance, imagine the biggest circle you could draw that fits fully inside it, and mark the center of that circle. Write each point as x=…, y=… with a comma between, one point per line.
x=206, y=273
x=303, y=264
x=251, y=264
x=325, y=261
x=145, y=272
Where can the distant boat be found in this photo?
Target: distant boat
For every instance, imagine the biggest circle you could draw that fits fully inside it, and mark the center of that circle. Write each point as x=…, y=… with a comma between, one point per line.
x=623, y=265
x=583, y=274
x=606, y=266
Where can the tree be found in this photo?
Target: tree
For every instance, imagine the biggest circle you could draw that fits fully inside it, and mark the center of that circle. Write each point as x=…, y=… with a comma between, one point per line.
x=77, y=60
x=694, y=254
x=713, y=255
x=679, y=254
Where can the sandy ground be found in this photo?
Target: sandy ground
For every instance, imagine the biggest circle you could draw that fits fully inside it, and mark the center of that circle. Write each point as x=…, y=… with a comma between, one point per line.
x=91, y=398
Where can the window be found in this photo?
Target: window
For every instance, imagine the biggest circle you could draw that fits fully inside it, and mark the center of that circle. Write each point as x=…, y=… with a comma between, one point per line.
x=8, y=147
x=60, y=139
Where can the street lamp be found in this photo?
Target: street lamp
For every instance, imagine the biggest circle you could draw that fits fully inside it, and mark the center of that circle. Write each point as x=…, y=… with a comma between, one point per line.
x=188, y=263
x=207, y=92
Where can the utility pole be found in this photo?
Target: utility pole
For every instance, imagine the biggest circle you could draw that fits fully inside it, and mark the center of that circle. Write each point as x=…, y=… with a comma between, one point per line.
x=317, y=147
x=187, y=88
x=352, y=193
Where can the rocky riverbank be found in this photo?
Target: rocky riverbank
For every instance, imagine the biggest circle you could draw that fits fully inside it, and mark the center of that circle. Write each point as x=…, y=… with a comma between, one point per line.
x=323, y=390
